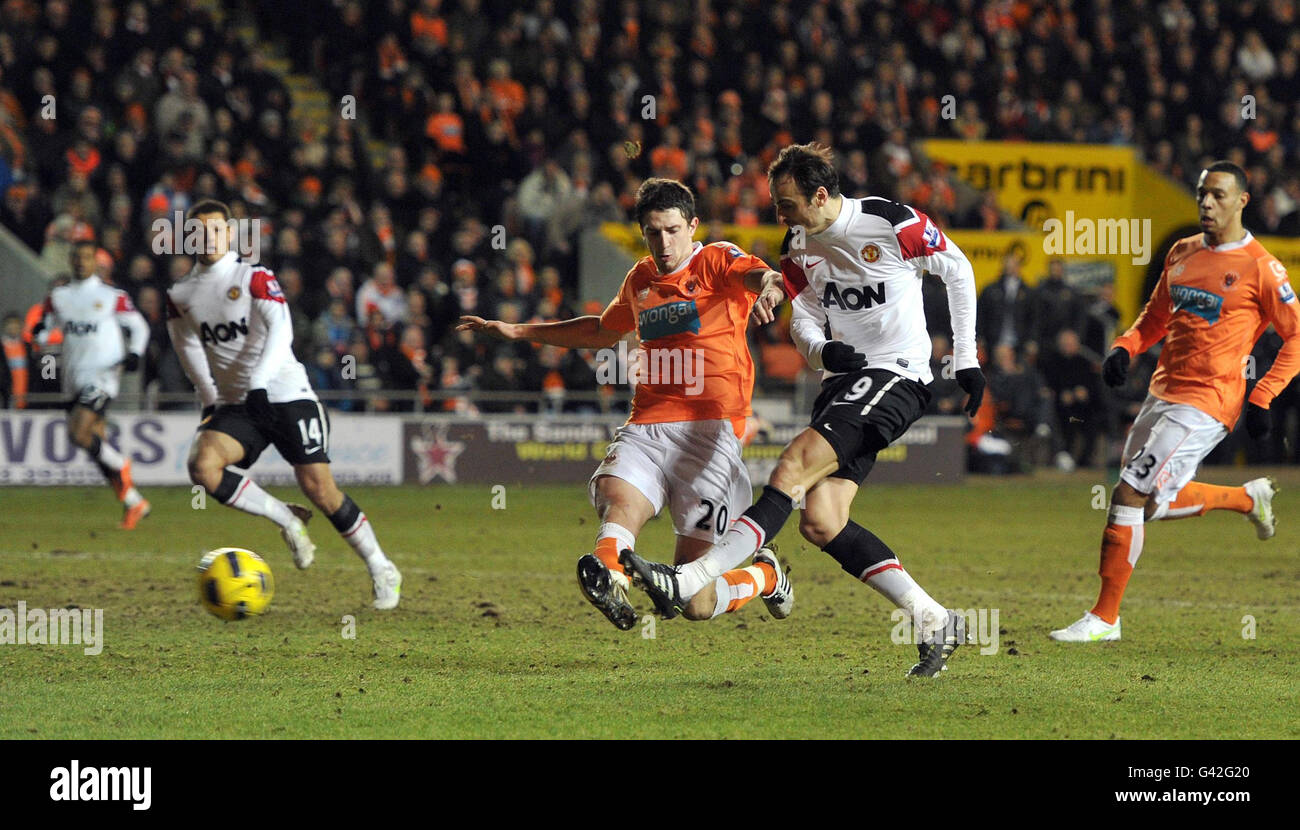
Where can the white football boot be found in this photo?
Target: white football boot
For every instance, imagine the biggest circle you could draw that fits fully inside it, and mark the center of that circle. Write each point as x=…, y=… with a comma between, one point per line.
x=295, y=536
x=1087, y=629
x=781, y=601
x=387, y=585
x=1262, y=490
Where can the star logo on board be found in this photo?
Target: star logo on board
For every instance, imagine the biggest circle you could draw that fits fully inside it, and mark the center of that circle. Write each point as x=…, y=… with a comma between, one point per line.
x=435, y=455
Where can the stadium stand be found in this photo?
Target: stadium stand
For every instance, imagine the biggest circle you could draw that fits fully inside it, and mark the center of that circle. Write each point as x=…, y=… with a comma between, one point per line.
x=472, y=114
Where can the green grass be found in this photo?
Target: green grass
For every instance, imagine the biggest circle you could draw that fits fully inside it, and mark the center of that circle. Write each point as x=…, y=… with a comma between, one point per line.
x=494, y=640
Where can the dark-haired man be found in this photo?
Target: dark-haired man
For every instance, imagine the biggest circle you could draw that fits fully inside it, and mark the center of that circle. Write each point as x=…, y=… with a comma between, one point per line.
x=689, y=304
x=854, y=269
x=92, y=316
x=230, y=325
x=1218, y=292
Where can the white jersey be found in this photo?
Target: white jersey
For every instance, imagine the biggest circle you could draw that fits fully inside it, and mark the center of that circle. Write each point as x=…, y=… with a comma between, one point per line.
x=92, y=316
x=859, y=282
x=231, y=329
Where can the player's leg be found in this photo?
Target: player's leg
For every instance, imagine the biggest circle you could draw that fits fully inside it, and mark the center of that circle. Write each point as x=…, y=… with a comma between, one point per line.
x=804, y=462
x=825, y=522
x=627, y=490
x=1254, y=500
x=856, y=414
x=317, y=483
x=228, y=438
x=709, y=484
x=1163, y=450
x=86, y=429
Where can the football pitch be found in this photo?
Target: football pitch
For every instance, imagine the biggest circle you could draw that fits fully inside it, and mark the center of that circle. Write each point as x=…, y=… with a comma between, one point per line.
x=493, y=639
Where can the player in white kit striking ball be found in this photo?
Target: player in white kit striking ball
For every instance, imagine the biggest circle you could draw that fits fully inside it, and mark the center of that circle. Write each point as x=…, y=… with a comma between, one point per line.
x=230, y=325
x=92, y=316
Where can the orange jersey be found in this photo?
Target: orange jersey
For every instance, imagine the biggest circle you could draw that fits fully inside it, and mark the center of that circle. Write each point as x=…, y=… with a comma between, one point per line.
x=691, y=323
x=1211, y=305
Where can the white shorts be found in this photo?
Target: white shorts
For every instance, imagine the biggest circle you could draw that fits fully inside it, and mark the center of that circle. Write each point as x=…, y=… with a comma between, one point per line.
x=693, y=466
x=1166, y=445
x=92, y=388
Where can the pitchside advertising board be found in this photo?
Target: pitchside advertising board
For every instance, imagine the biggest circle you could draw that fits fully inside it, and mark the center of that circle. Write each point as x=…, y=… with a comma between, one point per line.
x=388, y=449
x=568, y=450
x=34, y=449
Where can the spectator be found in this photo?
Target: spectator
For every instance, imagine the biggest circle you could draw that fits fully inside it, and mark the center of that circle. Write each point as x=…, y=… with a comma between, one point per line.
x=1002, y=312
x=1075, y=384
x=335, y=328
x=1054, y=306
x=381, y=293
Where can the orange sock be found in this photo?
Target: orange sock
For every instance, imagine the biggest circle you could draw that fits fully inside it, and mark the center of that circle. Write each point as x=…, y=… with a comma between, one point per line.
x=1196, y=499
x=607, y=552
x=1121, y=545
x=735, y=588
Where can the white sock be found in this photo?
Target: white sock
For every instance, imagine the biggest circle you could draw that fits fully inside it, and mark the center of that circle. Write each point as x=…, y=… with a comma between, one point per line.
x=253, y=499
x=739, y=543
x=626, y=541
x=1165, y=511
x=927, y=615
x=110, y=457
x=361, y=536
x=132, y=497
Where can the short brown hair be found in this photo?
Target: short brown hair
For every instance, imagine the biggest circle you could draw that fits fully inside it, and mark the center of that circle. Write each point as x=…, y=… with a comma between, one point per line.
x=811, y=167
x=209, y=206
x=664, y=194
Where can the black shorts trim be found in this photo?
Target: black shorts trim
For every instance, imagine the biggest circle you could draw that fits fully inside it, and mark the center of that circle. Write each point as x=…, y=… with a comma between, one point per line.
x=861, y=413
x=300, y=431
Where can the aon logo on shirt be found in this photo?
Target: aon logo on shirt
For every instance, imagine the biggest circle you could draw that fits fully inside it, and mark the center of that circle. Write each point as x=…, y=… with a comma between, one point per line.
x=852, y=299
x=75, y=327
x=223, y=332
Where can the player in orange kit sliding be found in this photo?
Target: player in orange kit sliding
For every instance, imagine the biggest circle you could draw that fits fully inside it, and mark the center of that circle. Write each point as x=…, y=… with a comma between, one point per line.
x=689, y=304
x=1216, y=295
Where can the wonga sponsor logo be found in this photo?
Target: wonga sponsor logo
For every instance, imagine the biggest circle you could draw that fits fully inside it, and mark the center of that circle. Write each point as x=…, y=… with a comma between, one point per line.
x=668, y=319
x=1204, y=304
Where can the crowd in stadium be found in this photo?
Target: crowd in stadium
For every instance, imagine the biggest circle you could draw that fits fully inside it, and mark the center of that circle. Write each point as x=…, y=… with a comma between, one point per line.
x=530, y=116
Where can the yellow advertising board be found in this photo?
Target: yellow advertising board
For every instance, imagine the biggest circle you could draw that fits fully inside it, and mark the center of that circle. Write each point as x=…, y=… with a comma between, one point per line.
x=1082, y=200
x=1098, y=207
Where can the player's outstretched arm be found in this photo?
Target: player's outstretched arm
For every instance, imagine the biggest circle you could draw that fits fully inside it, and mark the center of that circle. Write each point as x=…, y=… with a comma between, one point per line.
x=576, y=333
x=1150, y=326
x=770, y=288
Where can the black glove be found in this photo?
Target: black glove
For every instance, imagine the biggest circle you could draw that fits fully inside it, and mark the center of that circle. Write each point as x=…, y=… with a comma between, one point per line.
x=1258, y=422
x=841, y=357
x=971, y=382
x=1114, y=369
x=131, y=362
x=259, y=407
x=207, y=412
